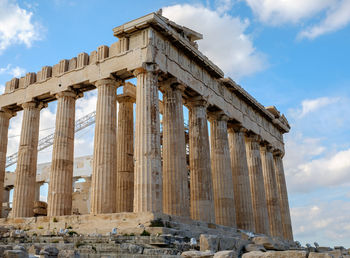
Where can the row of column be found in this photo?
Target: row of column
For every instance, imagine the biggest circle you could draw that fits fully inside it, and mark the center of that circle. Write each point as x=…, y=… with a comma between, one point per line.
x=234, y=180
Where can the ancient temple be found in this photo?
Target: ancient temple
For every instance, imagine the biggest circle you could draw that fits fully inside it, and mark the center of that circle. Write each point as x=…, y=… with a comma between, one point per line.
x=233, y=175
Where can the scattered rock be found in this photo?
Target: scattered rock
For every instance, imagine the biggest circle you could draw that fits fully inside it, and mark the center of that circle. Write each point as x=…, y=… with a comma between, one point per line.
x=323, y=249
x=275, y=254
x=34, y=249
x=3, y=248
x=320, y=255
x=206, y=254
x=254, y=247
x=209, y=242
x=15, y=254
x=131, y=248
x=226, y=254
x=68, y=254
x=49, y=252
x=265, y=241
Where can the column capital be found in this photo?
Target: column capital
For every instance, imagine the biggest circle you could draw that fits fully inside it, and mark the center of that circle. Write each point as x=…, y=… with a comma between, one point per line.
x=147, y=68
x=34, y=104
x=7, y=112
x=125, y=98
x=278, y=153
x=68, y=93
x=266, y=146
x=197, y=101
x=218, y=115
x=171, y=83
x=253, y=137
x=235, y=127
x=108, y=81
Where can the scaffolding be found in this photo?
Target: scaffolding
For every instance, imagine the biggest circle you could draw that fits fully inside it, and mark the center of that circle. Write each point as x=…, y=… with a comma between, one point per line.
x=47, y=141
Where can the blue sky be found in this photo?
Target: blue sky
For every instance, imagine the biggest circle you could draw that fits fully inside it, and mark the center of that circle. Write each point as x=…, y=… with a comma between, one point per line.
x=293, y=54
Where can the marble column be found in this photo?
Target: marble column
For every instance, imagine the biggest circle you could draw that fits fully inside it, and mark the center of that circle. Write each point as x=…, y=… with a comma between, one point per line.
x=283, y=196
x=256, y=179
x=202, y=204
x=4, y=126
x=61, y=175
x=175, y=175
x=272, y=202
x=241, y=182
x=223, y=193
x=103, y=185
x=24, y=192
x=148, y=168
x=37, y=190
x=125, y=154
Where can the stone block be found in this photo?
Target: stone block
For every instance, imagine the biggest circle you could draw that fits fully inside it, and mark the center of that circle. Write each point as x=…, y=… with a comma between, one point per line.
x=131, y=248
x=275, y=254
x=63, y=66
x=269, y=243
x=30, y=78
x=68, y=254
x=93, y=57
x=322, y=249
x=160, y=251
x=49, y=251
x=34, y=249
x=226, y=254
x=102, y=52
x=14, y=84
x=72, y=64
x=4, y=248
x=15, y=254
x=320, y=255
x=83, y=60
x=46, y=73
x=254, y=247
x=21, y=83
x=209, y=242
x=206, y=254
x=55, y=70
x=336, y=253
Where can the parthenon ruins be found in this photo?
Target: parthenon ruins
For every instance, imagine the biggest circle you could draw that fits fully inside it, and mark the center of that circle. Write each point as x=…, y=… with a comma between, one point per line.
x=233, y=175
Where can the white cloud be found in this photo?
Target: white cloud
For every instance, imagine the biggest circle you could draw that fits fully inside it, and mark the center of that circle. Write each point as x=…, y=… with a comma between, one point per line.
x=312, y=105
x=333, y=14
x=324, y=162
x=225, y=42
x=16, y=25
x=15, y=71
x=318, y=172
x=337, y=18
x=288, y=11
x=2, y=89
x=324, y=222
x=223, y=6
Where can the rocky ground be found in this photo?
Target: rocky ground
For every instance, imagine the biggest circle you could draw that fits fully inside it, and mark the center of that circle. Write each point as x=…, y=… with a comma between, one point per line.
x=18, y=243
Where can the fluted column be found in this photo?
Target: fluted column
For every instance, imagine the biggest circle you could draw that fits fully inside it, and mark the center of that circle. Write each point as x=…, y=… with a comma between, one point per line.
x=241, y=182
x=148, y=169
x=175, y=178
x=125, y=154
x=283, y=196
x=61, y=175
x=202, y=204
x=256, y=179
x=24, y=192
x=272, y=202
x=223, y=193
x=103, y=193
x=4, y=126
x=37, y=190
